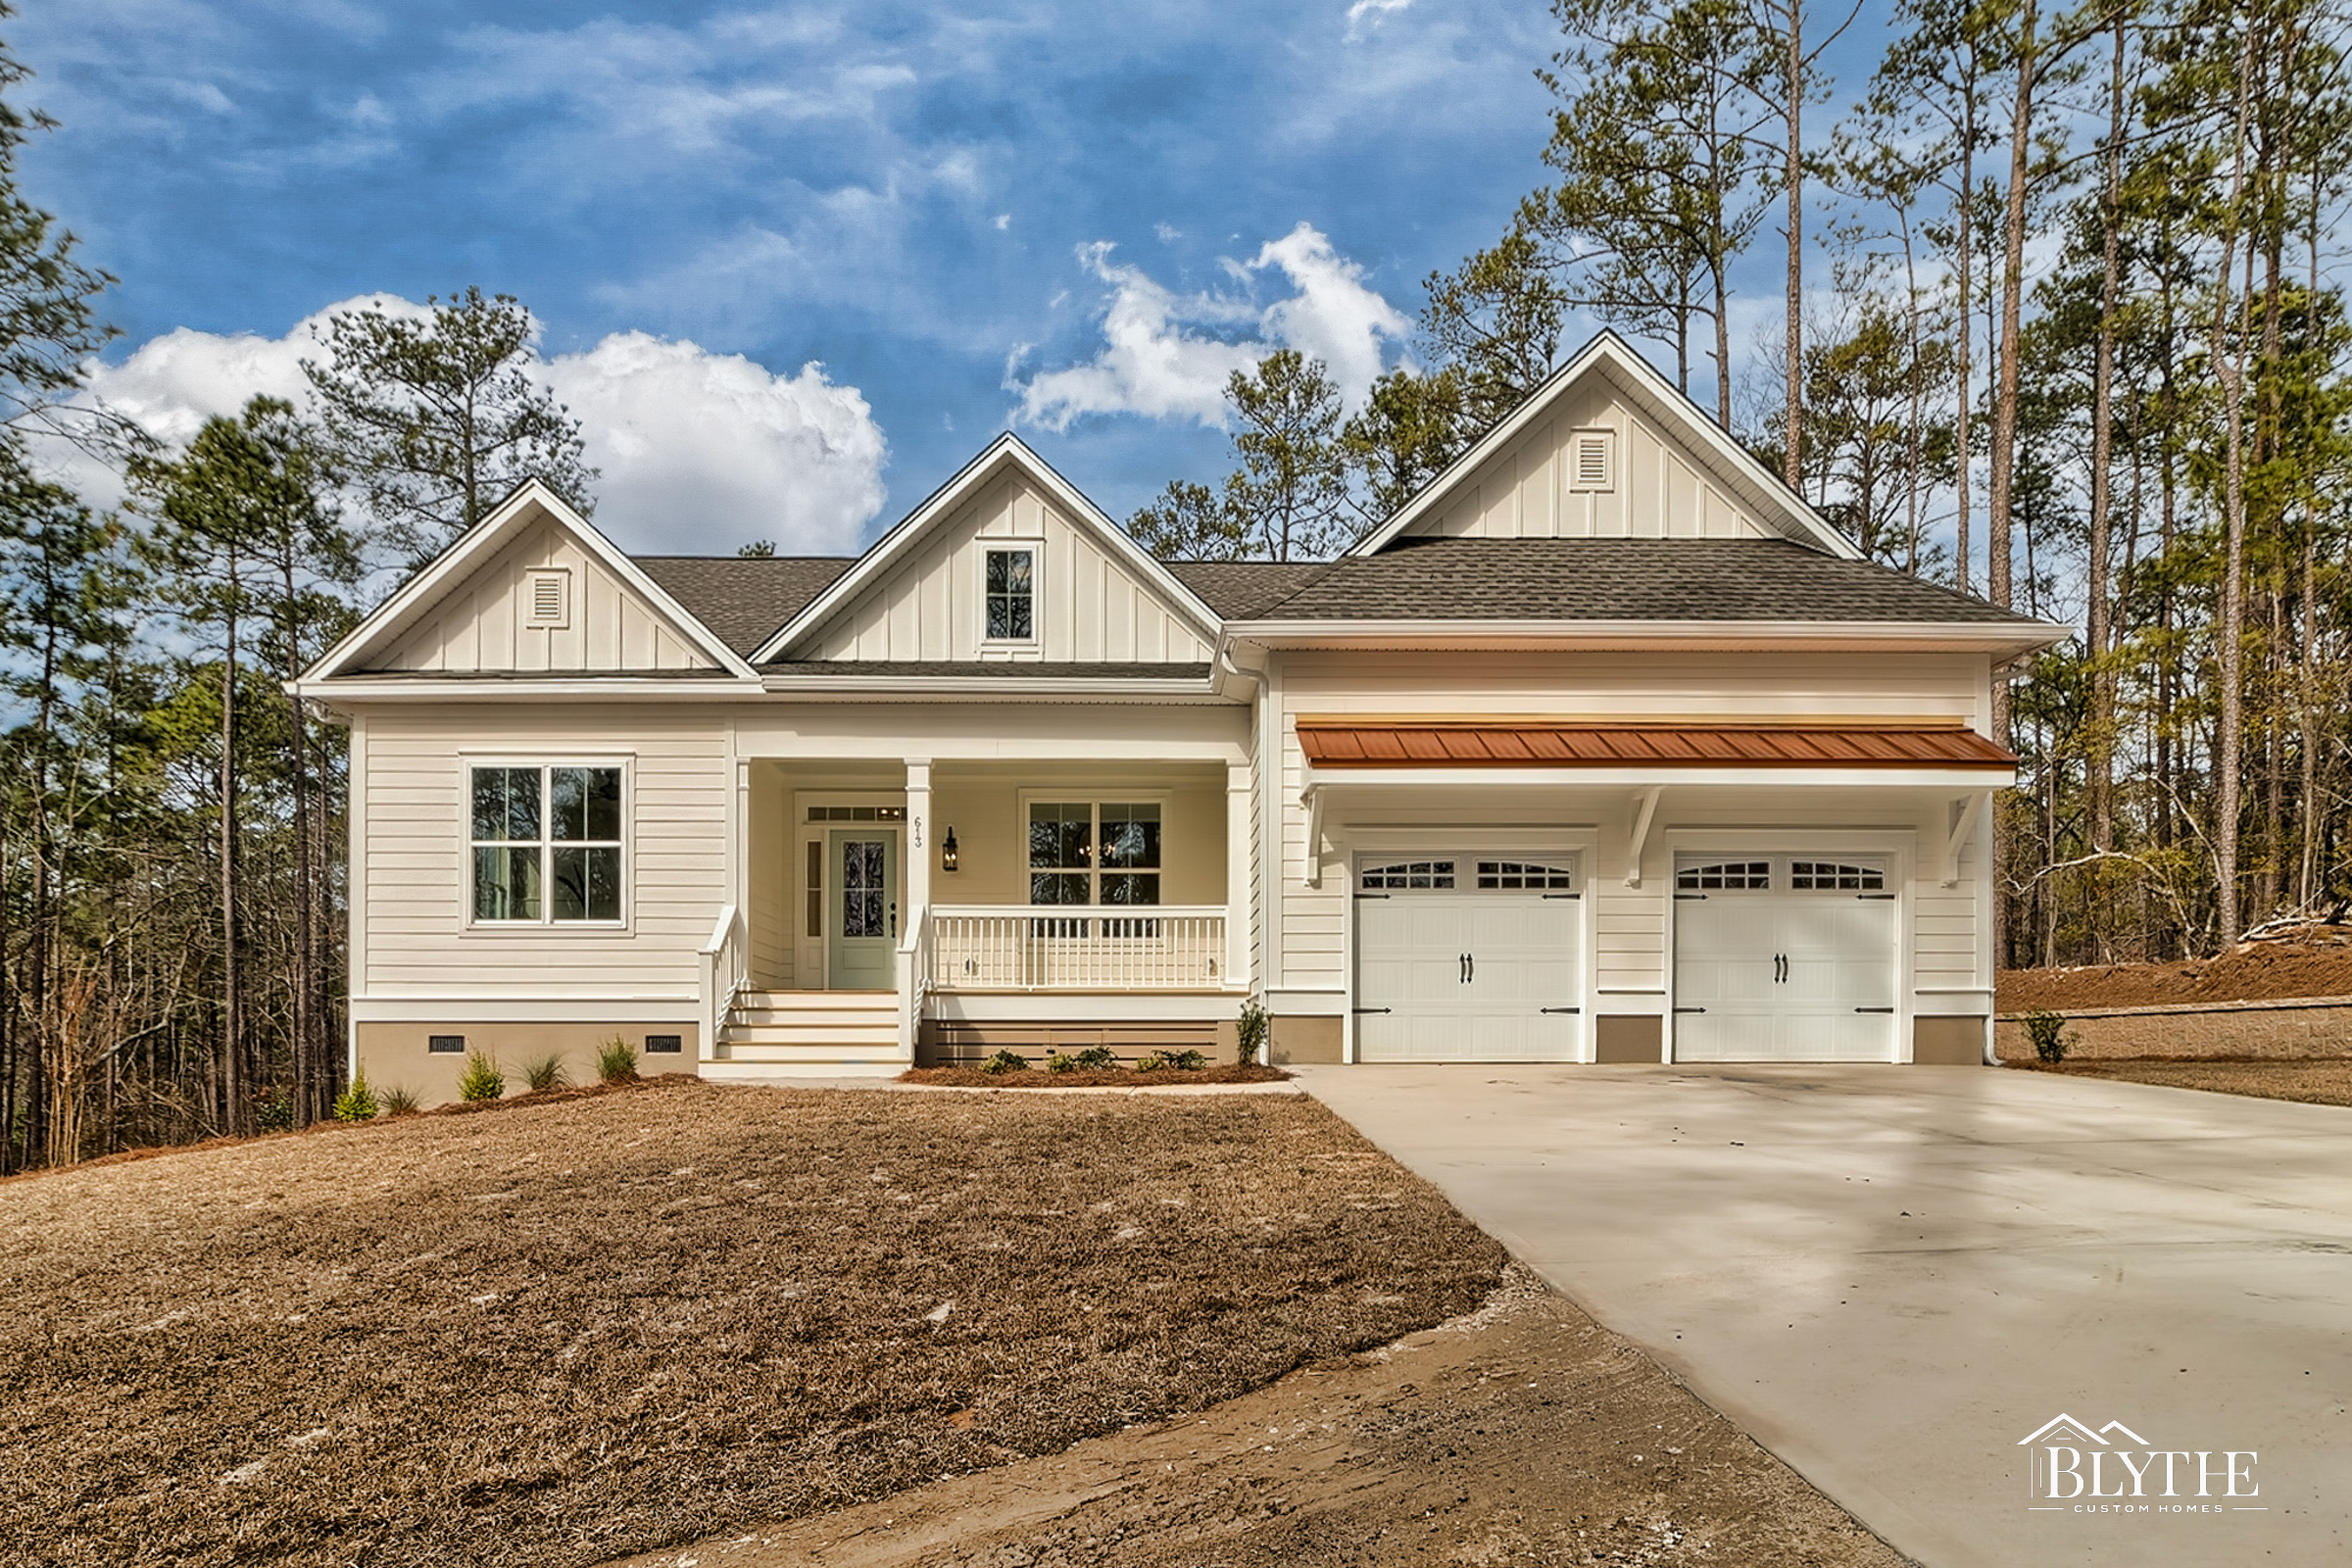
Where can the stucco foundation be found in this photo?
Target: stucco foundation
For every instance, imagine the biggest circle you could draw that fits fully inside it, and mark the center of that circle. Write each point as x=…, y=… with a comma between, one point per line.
x=394, y=1056
x=1304, y=1038
x=1628, y=1038
x=1947, y=1042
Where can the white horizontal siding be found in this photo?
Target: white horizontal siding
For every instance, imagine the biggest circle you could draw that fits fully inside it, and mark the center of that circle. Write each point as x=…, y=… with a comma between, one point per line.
x=416, y=881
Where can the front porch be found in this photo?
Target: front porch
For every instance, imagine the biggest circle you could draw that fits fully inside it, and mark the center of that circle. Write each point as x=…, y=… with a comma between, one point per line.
x=938, y=911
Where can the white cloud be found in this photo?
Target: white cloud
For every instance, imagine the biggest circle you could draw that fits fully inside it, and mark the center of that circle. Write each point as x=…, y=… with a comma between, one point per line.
x=1149, y=363
x=1166, y=356
x=699, y=450
x=1334, y=317
x=1368, y=13
x=703, y=451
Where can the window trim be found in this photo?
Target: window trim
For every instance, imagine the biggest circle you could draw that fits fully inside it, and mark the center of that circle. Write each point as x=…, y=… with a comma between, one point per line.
x=1032, y=642
x=1093, y=795
x=547, y=925
x=1606, y=437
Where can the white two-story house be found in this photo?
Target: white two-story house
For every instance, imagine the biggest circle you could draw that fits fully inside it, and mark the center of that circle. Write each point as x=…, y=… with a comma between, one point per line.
x=1605, y=749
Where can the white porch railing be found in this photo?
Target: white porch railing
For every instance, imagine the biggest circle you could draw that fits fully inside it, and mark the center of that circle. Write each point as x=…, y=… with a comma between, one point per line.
x=727, y=961
x=915, y=980
x=1042, y=947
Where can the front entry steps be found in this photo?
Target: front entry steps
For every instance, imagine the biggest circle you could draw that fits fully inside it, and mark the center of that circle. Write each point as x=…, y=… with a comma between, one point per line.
x=777, y=1036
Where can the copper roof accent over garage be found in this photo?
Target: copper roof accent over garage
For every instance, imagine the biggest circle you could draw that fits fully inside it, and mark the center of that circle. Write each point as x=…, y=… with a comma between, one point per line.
x=1372, y=743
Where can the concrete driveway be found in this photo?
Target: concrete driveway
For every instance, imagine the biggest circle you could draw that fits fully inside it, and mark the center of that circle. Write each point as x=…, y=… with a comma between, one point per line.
x=1891, y=1275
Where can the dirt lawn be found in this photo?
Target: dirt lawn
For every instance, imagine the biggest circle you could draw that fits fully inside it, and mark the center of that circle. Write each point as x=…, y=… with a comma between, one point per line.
x=2264, y=972
x=2325, y=1081
x=568, y=1332
x=1522, y=1434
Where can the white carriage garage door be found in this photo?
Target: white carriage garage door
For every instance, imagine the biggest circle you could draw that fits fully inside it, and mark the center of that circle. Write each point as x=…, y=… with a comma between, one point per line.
x=1468, y=957
x=1780, y=957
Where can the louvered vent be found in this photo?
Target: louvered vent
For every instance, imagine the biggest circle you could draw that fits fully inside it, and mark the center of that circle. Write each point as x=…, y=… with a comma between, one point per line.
x=550, y=599
x=1591, y=464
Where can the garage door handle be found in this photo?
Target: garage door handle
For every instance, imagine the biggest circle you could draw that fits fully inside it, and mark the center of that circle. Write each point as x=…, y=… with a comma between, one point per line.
x=1874, y=1010
x=1372, y=1009
x=1559, y=1009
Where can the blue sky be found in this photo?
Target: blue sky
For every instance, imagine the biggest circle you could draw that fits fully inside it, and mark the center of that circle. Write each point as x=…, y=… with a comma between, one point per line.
x=951, y=208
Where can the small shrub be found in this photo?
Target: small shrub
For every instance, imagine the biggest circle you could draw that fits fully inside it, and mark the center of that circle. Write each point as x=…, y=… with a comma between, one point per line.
x=1098, y=1058
x=1154, y=1061
x=401, y=1103
x=481, y=1079
x=357, y=1102
x=1188, y=1061
x=617, y=1061
x=546, y=1072
x=1057, y=1062
x=2048, y=1031
x=1005, y=1061
x=273, y=1110
x=1251, y=1035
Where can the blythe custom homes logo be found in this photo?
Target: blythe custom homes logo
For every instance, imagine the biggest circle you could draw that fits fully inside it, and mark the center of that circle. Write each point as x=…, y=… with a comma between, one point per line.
x=2072, y=1468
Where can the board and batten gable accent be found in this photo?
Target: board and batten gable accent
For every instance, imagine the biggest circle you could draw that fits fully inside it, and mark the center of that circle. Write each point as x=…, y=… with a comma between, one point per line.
x=1090, y=607
x=413, y=890
x=543, y=605
x=1594, y=466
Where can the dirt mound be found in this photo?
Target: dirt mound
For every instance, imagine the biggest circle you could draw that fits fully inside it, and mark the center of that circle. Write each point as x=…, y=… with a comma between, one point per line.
x=2264, y=972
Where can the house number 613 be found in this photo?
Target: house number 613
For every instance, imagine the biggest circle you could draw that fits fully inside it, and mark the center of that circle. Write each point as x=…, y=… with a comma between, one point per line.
x=918, y=832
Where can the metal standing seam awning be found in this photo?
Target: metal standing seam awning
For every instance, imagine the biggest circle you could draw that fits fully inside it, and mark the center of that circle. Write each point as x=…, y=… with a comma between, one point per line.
x=1943, y=755
x=1343, y=744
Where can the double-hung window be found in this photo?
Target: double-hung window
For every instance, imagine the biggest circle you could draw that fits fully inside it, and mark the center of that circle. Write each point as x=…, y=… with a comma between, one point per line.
x=1010, y=589
x=546, y=845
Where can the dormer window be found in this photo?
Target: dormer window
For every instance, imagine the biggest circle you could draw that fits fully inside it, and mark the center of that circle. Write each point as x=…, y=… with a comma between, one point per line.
x=1012, y=594
x=547, y=599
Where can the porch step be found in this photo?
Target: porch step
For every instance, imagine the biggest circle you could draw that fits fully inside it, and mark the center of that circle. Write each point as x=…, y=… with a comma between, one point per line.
x=814, y=1031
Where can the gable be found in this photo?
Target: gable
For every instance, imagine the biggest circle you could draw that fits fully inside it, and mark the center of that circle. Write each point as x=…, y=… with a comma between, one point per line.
x=1091, y=607
x=1541, y=484
x=483, y=622
x=1607, y=448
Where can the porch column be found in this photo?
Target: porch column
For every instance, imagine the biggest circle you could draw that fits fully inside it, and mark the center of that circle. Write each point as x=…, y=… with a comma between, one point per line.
x=1237, y=873
x=919, y=849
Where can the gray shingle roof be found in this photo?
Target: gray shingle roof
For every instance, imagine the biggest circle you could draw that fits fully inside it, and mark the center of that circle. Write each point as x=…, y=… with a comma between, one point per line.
x=1622, y=579
x=994, y=669
x=1244, y=590
x=743, y=599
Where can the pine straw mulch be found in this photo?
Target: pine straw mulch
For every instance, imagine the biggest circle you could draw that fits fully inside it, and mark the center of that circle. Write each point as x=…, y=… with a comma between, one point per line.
x=1034, y=1077
x=2264, y=972
x=615, y=1322
x=2321, y=1080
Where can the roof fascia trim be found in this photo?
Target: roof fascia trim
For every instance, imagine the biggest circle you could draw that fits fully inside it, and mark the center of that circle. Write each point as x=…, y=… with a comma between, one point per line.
x=1634, y=374
x=1954, y=634
x=425, y=589
x=903, y=536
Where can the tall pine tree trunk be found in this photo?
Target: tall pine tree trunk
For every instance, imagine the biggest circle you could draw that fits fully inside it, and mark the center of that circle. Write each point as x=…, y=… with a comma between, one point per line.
x=2099, y=766
x=2230, y=617
x=1792, y=461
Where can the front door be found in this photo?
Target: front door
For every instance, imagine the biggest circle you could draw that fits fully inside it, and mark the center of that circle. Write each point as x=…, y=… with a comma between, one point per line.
x=862, y=938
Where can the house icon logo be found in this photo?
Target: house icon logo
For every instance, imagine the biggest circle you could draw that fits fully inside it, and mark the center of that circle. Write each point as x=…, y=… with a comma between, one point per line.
x=2072, y=1466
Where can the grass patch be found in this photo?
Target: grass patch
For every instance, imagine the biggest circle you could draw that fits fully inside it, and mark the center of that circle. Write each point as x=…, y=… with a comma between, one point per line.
x=610, y=1322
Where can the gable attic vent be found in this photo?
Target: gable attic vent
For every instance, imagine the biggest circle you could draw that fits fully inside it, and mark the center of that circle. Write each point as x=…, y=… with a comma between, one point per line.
x=1590, y=462
x=546, y=599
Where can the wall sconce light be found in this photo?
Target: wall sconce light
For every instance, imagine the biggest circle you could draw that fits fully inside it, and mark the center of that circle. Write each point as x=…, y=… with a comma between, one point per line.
x=946, y=849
